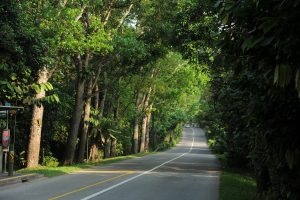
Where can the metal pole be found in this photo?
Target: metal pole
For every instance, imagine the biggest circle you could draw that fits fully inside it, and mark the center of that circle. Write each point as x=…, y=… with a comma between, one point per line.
x=11, y=163
x=1, y=159
x=5, y=162
x=15, y=131
x=6, y=119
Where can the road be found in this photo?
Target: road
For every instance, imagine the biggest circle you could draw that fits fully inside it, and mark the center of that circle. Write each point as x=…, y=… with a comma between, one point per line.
x=186, y=172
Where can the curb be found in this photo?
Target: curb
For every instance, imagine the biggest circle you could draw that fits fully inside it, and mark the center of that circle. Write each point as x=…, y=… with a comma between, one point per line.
x=19, y=179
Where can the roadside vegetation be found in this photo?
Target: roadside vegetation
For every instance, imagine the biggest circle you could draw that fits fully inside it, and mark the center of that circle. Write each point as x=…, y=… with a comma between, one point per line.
x=50, y=171
x=237, y=185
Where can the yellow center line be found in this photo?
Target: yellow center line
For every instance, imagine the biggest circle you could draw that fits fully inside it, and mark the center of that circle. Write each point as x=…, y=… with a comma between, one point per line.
x=89, y=186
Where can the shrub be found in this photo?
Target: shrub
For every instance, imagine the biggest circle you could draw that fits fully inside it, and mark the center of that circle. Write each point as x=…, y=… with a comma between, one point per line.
x=50, y=161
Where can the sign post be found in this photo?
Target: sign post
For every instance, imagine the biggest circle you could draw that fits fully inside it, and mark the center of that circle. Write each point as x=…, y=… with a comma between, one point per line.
x=5, y=140
x=5, y=135
x=11, y=160
x=1, y=157
x=5, y=146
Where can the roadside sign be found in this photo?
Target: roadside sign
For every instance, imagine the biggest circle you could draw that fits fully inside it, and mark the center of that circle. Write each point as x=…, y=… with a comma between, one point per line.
x=5, y=139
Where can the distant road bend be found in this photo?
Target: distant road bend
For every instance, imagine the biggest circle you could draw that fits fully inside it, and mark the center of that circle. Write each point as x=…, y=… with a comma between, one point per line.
x=188, y=171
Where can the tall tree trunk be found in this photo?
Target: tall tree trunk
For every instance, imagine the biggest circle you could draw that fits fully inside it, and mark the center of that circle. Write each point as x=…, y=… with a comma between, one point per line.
x=107, y=146
x=154, y=139
x=102, y=102
x=145, y=120
x=86, y=118
x=72, y=137
x=96, y=100
x=143, y=134
x=113, y=148
x=148, y=129
x=80, y=64
x=95, y=141
x=94, y=152
x=36, y=124
x=135, y=134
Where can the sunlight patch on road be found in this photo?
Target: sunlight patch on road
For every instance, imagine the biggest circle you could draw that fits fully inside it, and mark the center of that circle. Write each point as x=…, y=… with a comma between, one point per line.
x=102, y=172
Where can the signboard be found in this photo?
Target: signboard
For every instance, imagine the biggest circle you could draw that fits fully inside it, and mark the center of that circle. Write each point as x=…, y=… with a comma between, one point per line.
x=5, y=139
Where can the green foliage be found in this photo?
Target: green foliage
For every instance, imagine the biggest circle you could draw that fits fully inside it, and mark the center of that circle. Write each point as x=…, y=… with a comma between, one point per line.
x=21, y=51
x=50, y=171
x=50, y=161
x=250, y=104
x=236, y=186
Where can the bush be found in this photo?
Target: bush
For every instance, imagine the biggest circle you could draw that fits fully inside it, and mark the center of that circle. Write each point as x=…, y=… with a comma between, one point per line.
x=50, y=161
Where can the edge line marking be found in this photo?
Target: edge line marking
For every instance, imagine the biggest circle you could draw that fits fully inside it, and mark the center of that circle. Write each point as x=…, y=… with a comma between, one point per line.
x=89, y=186
x=137, y=176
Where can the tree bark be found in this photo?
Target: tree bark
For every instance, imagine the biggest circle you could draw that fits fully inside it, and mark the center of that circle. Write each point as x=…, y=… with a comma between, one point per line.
x=143, y=134
x=94, y=152
x=72, y=137
x=80, y=65
x=102, y=102
x=113, y=149
x=36, y=124
x=95, y=141
x=148, y=129
x=135, y=135
x=107, y=146
x=145, y=120
x=86, y=118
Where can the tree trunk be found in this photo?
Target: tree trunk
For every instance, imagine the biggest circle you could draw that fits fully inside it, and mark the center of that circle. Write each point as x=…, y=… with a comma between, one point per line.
x=36, y=124
x=94, y=152
x=96, y=100
x=107, y=146
x=102, y=102
x=94, y=149
x=86, y=118
x=144, y=120
x=72, y=137
x=154, y=138
x=113, y=149
x=143, y=135
x=135, y=135
x=148, y=130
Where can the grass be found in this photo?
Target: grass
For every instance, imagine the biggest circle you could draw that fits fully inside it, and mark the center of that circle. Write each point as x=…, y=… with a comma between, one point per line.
x=56, y=171
x=236, y=185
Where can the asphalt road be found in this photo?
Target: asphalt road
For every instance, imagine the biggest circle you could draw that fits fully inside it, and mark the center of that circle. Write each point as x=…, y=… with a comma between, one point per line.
x=186, y=172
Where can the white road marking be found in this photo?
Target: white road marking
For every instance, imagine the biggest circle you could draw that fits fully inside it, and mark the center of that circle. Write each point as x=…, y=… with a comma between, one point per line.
x=137, y=176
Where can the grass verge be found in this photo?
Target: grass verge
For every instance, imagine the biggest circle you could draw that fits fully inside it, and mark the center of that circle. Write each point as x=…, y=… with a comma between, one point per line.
x=56, y=171
x=236, y=185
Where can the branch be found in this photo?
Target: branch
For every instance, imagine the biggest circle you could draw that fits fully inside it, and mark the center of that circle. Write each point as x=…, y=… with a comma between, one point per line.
x=108, y=13
x=124, y=16
x=97, y=75
x=80, y=14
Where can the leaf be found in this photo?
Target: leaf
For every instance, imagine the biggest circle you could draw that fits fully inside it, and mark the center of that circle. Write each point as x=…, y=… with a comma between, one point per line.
x=217, y=4
x=276, y=74
x=36, y=87
x=282, y=74
x=297, y=82
x=290, y=158
x=13, y=77
x=266, y=41
x=56, y=98
x=225, y=19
